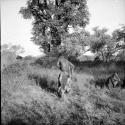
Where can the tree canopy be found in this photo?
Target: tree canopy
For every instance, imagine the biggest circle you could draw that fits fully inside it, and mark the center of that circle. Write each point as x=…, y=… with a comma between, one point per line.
x=51, y=19
x=119, y=34
x=103, y=44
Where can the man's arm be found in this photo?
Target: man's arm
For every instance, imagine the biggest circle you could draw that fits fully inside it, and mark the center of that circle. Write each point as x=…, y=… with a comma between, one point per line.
x=59, y=65
x=71, y=68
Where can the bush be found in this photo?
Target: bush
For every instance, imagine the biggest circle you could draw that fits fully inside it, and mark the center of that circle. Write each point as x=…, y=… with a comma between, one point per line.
x=28, y=58
x=18, y=57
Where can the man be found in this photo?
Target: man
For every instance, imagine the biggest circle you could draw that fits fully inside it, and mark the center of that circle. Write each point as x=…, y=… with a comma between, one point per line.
x=66, y=70
x=65, y=66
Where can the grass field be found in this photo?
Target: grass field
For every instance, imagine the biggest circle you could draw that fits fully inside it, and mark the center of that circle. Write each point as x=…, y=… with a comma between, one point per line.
x=29, y=96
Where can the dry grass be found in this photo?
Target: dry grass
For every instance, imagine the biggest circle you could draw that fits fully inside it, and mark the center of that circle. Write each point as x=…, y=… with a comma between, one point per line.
x=28, y=97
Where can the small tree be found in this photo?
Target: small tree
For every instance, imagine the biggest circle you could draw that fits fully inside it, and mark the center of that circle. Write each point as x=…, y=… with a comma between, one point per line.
x=104, y=45
x=98, y=41
x=110, y=49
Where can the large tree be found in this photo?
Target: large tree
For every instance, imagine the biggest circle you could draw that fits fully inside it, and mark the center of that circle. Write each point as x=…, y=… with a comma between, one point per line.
x=51, y=19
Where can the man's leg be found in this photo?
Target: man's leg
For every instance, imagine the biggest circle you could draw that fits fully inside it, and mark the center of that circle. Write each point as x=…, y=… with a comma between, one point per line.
x=60, y=92
x=68, y=85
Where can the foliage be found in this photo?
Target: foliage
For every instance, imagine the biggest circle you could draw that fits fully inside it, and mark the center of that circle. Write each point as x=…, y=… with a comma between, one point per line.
x=121, y=55
x=102, y=44
x=51, y=19
x=9, y=53
x=74, y=44
x=119, y=34
x=17, y=49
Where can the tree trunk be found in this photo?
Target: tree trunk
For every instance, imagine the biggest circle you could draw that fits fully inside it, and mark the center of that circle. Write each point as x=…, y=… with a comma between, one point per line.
x=103, y=58
x=56, y=38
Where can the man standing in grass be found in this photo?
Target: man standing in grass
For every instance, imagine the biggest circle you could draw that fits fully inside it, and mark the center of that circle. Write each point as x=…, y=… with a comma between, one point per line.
x=66, y=70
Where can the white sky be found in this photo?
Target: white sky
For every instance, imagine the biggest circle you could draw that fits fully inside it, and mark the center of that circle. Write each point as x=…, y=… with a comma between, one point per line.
x=16, y=30
x=106, y=13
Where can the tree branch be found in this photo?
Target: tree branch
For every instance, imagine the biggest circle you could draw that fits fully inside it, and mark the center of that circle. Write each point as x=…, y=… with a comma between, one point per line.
x=56, y=3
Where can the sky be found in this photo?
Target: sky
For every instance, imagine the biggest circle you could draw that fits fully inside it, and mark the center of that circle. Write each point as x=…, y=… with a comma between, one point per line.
x=17, y=31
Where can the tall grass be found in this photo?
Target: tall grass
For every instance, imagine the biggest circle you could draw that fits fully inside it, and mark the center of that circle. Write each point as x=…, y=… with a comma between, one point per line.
x=28, y=96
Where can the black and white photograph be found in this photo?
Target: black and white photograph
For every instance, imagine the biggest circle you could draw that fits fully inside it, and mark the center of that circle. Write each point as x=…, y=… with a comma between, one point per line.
x=62, y=62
